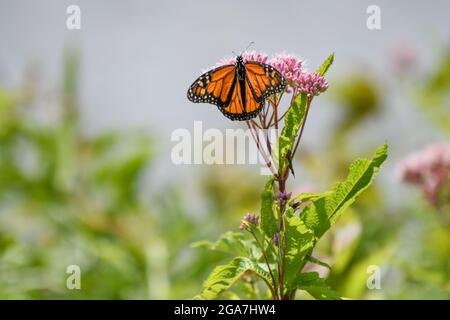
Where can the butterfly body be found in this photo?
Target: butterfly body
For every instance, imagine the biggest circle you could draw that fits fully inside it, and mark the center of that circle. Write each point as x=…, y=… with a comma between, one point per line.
x=239, y=89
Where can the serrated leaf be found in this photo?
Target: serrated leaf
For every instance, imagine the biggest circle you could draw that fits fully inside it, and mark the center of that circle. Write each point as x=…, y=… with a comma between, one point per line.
x=224, y=276
x=312, y=283
x=326, y=65
x=323, y=212
x=267, y=214
x=229, y=242
x=289, y=212
x=299, y=243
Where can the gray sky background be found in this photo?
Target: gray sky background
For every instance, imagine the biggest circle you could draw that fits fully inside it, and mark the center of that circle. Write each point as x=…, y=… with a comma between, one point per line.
x=139, y=57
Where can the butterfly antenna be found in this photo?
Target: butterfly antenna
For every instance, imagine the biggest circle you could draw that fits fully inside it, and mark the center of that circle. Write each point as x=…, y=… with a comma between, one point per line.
x=249, y=45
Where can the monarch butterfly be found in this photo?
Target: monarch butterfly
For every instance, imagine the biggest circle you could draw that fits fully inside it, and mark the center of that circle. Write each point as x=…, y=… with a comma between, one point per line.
x=239, y=89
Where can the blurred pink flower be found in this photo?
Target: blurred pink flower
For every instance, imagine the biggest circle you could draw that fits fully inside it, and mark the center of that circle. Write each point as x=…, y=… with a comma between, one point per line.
x=345, y=236
x=429, y=170
x=403, y=57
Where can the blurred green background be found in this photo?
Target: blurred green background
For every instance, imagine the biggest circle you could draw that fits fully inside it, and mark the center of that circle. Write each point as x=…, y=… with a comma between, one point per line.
x=76, y=196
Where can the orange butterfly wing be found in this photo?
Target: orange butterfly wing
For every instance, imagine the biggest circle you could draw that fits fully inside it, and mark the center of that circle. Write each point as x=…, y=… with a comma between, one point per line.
x=238, y=100
x=214, y=86
x=264, y=80
x=242, y=106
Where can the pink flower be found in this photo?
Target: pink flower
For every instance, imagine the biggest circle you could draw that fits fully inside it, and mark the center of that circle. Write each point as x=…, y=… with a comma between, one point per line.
x=247, y=56
x=251, y=218
x=226, y=61
x=283, y=196
x=311, y=84
x=429, y=170
x=254, y=56
x=289, y=66
x=276, y=239
x=248, y=221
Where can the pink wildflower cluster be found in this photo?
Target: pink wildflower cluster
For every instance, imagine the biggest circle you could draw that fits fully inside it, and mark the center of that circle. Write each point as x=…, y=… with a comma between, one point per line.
x=289, y=66
x=292, y=69
x=255, y=56
x=312, y=84
x=429, y=169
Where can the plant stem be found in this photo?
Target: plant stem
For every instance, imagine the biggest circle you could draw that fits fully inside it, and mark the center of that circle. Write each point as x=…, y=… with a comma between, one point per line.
x=284, y=254
x=308, y=103
x=260, y=150
x=267, y=263
x=275, y=111
x=255, y=124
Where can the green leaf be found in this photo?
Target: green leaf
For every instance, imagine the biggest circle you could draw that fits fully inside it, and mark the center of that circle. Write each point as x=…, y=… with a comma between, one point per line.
x=299, y=243
x=303, y=197
x=267, y=214
x=292, y=123
x=224, y=276
x=229, y=242
x=323, y=212
x=312, y=283
x=326, y=65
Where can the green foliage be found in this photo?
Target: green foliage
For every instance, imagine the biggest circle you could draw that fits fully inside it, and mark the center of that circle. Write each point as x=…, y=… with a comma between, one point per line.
x=224, y=276
x=359, y=97
x=230, y=242
x=315, y=286
x=323, y=212
x=303, y=232
x=70, y=198
x=292, y=123
x=267, y=212
x=289, y=230
x=301, y=235
x=326, y=65
x=300, y=241
x=433, y=94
